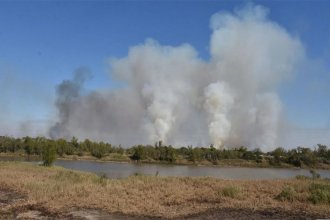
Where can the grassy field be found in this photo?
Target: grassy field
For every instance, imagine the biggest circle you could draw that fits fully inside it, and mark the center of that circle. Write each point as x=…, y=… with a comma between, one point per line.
x=57, y=191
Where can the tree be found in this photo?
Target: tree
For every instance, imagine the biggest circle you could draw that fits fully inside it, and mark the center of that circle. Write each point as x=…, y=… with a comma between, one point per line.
x=322, y=151
x=39, y=142
x=307, y=156
x=74, y=143
x=61, y=146
x=194, y=154
x=28, y=145
x=99, y=150
x=294, y=157
x=258, y=155
x=139, y=153
x=279, y=155
x=49, y=153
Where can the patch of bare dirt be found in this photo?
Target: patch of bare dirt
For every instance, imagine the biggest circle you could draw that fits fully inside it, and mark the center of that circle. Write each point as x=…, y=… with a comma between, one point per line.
x=13, y=206
x=242, y=214
x=8, y=197
x=93, y=214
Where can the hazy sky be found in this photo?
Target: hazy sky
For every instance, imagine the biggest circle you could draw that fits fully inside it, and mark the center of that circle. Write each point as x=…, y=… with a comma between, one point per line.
x=43, y=42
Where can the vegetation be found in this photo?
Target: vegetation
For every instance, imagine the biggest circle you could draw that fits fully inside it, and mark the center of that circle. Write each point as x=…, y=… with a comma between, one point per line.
x=48, y=154
x=319, y=193
x=288, y=193
x=316, y=192
x=57, y=191
x=231, y=191
x=240, y=156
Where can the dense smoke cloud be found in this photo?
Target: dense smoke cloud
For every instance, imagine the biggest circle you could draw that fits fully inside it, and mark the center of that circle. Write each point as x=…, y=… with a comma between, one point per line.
x=68, y=93
x=171, y=94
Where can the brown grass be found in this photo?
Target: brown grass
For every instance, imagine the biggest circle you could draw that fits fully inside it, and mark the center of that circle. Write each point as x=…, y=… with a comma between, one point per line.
x=57, y=190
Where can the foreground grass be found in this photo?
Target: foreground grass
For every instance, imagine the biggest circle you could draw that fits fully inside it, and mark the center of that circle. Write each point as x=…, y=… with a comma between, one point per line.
x=58, y=190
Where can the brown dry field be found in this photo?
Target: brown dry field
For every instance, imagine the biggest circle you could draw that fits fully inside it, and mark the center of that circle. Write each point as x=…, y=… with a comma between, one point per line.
x=60, y=193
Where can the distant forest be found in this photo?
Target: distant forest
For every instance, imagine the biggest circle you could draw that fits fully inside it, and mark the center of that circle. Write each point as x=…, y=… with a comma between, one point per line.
x=298, y=157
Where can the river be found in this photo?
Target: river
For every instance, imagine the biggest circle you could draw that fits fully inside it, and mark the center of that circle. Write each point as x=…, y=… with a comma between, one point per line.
x=122, y=170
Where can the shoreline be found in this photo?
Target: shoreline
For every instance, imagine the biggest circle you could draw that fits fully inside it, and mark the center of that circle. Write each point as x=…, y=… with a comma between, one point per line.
x=225, y=163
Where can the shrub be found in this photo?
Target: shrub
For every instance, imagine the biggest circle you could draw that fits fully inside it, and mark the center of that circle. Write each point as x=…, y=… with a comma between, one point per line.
x=231, y=191
x=287, y=194
x=314, y=174
x=137, y=174
x=302, y=177
x=102, y=179
x=319, y=193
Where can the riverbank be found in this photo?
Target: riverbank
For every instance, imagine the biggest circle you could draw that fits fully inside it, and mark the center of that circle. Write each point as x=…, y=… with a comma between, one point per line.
x=126, y=159
x=29, y=190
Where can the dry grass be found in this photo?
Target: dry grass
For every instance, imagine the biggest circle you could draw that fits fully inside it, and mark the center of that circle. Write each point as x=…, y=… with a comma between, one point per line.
x=58, y=189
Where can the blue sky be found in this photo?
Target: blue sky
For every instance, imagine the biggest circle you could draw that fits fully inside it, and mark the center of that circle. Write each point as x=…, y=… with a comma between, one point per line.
x=43, y=42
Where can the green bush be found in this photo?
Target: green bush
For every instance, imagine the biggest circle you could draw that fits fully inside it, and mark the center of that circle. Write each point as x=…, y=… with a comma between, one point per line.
x=319, y=193
x=48, y=154
x=302, y=177
x=231, y=191
x=287, y=194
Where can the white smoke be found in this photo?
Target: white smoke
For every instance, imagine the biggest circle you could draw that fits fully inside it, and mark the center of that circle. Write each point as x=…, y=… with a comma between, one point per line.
x=171, y=94
x=218, y=103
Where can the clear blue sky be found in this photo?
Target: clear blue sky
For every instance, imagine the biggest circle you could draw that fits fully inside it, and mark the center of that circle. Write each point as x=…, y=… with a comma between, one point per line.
x=43, y=42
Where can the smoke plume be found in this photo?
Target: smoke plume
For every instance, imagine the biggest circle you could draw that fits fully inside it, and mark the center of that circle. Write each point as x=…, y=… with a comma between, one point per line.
x=68, y=93
x=173, y=95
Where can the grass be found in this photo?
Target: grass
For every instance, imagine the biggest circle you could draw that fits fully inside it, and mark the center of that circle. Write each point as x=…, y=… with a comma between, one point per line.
x=231, y=191
x=320, y=193
x=287, y=194
x=102, y=180
x=316, y=192
x=58, y=190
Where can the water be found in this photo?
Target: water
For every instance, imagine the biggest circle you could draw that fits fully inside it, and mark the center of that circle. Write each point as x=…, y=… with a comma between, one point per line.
x=123, y=170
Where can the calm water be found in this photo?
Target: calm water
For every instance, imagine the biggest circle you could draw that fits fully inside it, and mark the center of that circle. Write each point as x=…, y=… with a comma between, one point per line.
x=122, y=170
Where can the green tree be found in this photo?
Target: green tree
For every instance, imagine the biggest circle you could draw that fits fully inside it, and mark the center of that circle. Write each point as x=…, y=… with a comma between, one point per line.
x=323, y=153
x=61, y=147
x=279, y=155
x=28, y=145
x=194, y=154
x=171, y=154
x=99, y=150
x=74, y=143
x=49, y=153
x=258, y=155
x=139, y=153
x=307, y=156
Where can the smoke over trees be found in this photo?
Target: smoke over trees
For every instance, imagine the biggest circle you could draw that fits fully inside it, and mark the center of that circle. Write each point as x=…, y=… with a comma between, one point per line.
x=68, y=92
x=171, y=94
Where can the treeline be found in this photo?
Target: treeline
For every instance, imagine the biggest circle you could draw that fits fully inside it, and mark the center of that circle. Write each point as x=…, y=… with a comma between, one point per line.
x=35, y=146
x=298, y=157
